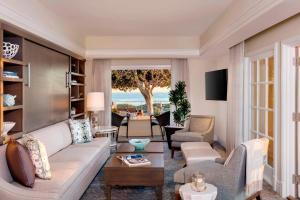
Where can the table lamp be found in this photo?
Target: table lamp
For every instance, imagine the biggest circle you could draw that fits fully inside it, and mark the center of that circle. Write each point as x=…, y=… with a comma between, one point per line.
x=95, y=103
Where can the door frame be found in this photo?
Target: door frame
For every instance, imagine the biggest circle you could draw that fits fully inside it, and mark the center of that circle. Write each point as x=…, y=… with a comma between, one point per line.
x=271, y=174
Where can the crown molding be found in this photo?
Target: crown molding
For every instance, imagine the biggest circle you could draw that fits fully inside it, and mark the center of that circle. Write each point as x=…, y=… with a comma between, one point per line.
x=20, y=20
x=142, y=53
x=250, y=15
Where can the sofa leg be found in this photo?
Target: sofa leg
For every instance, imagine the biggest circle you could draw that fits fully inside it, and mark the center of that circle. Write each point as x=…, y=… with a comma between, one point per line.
x=258, y=197
x=255, y=196
x=172, y=153
x=177, y=196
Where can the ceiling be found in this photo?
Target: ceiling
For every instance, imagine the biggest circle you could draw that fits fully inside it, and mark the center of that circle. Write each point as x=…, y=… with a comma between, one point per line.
x=137, y=17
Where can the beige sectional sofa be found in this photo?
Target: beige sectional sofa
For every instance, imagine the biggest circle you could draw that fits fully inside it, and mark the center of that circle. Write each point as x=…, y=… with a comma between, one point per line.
x=73, y=166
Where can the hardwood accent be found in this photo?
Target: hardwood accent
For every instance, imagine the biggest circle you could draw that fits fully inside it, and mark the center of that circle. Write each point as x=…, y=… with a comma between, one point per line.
x=13, y=86
x=80, y=99
x=60, y=102
x=10, y=62
x=12, y=79
x=77, y=74
x=77, y=115
x=170, y=130
x=37, y=39
x=152, y=147
x=116, y=173
x=9, y=108
x=76, y=81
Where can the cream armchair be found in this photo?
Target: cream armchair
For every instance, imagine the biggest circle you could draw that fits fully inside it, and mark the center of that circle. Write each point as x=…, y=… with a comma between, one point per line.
x=198, y=128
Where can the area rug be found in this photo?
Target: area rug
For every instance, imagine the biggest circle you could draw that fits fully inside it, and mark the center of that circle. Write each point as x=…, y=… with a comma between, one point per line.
x=96, y=190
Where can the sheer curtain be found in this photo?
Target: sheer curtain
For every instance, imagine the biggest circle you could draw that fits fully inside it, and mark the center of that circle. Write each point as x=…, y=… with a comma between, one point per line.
x=101, y=76
x=179, y=72
x=235, y=118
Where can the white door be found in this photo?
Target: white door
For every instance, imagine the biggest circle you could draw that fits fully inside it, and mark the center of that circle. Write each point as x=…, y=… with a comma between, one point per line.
x=261, y=109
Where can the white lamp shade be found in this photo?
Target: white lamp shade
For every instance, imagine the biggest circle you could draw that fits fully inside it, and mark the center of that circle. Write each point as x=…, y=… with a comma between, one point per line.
x=95, y=101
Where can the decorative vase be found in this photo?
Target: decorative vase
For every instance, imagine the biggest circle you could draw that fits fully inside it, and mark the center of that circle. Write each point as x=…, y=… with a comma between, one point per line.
x=7, y=126
x=139, y=144
x=198, y=182
x=9, y=100
x=10, y=50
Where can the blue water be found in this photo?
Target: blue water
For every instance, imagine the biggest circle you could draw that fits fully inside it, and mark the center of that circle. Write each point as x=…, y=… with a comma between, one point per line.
x=136, y=98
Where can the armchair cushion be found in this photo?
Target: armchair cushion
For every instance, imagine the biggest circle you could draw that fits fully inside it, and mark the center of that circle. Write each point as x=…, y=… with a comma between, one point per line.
x=230, y=179
x=200, y=124
x=187, y=137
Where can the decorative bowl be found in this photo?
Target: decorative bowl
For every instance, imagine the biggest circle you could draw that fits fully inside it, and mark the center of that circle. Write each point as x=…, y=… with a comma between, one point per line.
x=10, y=50
x=139, y=144
x=9, y=100
x=7, y=126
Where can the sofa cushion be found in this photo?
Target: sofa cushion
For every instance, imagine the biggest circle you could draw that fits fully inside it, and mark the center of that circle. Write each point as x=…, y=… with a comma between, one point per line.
x=199, y=124
x=195, y=145
x=63, y=174
x=20, y=164
x=81, y=131
x=68, y=164
x=54, y=137
x=84, y=152
x=193, y=156
x=38, y=156
x=187, y=137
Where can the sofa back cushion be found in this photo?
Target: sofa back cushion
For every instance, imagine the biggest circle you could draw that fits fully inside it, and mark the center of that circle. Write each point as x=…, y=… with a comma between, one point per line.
x=200, y=123
x=54, y=137
x=4, y=171
x=20, y=164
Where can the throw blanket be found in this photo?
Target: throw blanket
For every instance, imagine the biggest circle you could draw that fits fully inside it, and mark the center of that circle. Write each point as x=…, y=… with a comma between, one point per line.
x=257, y=150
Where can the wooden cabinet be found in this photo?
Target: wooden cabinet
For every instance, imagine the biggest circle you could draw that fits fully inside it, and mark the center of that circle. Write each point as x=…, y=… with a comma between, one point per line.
x=50, y=81
x=12, y=84
x=45, y=91
x=77, y=88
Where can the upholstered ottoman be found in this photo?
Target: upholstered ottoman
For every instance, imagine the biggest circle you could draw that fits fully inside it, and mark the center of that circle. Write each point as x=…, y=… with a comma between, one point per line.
x=195, y=152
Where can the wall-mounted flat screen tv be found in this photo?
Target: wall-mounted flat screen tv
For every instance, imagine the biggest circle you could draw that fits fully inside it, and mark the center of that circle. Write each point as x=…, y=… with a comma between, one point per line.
x=216, y=85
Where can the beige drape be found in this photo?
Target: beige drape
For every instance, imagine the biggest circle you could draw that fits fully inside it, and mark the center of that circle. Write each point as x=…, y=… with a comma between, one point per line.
x=101, y=82
x=179, y=72
x=235, y=118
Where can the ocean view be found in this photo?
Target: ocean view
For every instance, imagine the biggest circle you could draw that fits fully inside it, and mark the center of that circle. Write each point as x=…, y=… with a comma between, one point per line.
x=136, y=98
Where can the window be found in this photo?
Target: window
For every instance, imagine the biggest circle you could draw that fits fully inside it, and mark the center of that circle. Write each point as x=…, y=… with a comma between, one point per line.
x=262, y=101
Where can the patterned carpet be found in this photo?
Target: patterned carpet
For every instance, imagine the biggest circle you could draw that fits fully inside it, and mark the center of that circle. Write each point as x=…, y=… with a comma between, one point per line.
x=96, y=190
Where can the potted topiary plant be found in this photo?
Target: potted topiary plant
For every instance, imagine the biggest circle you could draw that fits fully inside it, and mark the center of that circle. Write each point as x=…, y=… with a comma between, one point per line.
x=178, y=98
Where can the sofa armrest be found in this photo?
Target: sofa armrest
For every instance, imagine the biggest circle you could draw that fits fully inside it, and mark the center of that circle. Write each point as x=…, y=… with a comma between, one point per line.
x=222, y=177
x=212, y=171
x=220, y=161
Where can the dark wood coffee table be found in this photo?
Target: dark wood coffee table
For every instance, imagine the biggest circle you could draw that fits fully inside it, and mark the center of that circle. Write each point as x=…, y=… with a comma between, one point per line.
x=152, y=147
x=116, y=173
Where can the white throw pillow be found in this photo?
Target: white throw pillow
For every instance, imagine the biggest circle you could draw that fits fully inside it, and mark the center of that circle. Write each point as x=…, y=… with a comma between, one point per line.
x=81, y=130
x=38, y=156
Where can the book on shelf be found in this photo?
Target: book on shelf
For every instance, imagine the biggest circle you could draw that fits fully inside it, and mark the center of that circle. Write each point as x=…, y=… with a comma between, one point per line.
x=134, y=160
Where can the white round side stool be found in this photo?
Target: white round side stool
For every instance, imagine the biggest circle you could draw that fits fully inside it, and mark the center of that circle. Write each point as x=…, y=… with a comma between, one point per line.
x=187, y=193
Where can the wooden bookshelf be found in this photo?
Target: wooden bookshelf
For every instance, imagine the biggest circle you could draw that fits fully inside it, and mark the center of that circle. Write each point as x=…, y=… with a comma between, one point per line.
x=77, y=87
x=12, y=86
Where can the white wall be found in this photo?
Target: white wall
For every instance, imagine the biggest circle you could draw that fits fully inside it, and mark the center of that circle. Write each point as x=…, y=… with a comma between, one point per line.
x=34, y=17
x=200, y=106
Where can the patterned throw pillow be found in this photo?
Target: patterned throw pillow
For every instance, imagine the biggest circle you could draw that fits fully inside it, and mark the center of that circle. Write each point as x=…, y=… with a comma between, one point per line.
x=81, y=131
x=38, y=156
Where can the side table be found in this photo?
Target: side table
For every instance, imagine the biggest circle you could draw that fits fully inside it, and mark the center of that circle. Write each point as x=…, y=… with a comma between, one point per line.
x=101, y=131
x=170, y=130
x=187, y=193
